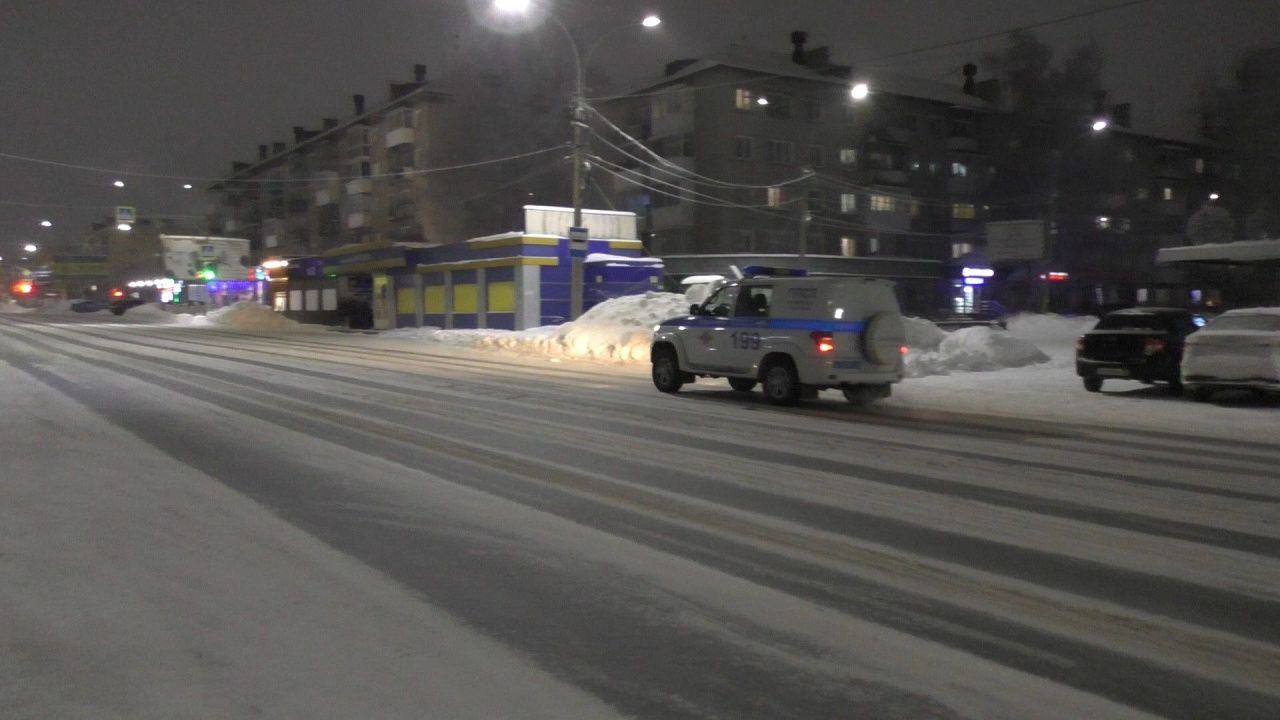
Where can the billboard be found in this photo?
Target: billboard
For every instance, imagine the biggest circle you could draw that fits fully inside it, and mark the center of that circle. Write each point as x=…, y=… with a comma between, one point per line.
x=1015, y=241
x=189, y=257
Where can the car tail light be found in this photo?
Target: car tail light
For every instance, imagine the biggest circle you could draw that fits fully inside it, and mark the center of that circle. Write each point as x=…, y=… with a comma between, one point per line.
x=1153, y=346
x=117, y=293
x=823, y=341
x=1080, y=344
x=904, y=349
x=23, y=287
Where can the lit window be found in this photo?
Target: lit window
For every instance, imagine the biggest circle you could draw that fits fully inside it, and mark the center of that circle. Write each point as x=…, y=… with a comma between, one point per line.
x=1199, y=166
x=776, y=197
x=873, y=246
x=883, y=203
x=1168, y=193
x=963, y=211
x=960, y=249
x=959, y=169
x=743, y=100
x=1103, y=222
x=848, y=202
x=1144, y=193
x=744, y=148
x=848, y=156
x=933, y=168
x=849, y=246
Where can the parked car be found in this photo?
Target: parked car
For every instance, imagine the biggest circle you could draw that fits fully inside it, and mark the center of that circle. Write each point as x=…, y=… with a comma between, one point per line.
x=794, y=335
x=1143, y=343
x=1237, y=349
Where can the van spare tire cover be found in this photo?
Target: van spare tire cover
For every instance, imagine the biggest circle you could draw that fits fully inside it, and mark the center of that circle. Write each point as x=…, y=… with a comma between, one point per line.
x=883, y=338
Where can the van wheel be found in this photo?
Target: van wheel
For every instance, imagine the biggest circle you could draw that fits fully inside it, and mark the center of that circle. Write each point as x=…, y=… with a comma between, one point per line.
x=666, y=372
x=742, y=384
x=1093, y=384
x=781, y=384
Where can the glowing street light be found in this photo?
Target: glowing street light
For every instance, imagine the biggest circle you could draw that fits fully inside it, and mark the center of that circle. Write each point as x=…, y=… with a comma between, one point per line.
x=187, y=186
x=860, y=91
x=124, y=227
x=29, y=247
x=1214, y=196
x=46, y=223
x=118, y=183
x=578, y=123
x=762, y=101
x=1099, y=125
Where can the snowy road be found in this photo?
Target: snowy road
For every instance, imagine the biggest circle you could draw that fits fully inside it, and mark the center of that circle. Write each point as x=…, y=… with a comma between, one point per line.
x=201, y=523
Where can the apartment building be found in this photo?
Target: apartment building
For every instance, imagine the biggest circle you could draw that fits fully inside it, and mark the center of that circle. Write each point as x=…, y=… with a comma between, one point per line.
x=810, y=169
x=346, y=182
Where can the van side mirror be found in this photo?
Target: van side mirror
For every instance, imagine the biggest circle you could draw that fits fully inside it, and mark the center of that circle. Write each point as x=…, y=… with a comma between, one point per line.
x=695, y=309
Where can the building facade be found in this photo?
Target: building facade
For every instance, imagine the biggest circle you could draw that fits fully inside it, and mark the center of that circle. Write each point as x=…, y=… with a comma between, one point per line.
x=348, y=182
x=806, y=167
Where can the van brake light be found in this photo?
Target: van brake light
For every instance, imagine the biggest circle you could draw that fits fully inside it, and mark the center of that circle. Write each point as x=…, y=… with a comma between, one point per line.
x=824, y=341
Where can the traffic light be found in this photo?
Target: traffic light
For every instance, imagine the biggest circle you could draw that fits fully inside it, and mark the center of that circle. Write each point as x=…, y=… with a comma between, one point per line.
x=208, y=274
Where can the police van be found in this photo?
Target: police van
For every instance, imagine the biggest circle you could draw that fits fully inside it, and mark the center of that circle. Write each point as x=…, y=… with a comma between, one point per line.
x=793, y=334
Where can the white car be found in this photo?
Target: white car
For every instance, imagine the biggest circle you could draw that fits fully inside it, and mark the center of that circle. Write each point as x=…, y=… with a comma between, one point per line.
x=795, y=335
x=1237, y=349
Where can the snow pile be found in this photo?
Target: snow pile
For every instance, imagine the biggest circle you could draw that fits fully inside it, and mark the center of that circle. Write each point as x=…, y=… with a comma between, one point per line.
x=922, y=334
x=620, y=329
x=249, y=316
x=1054, y=334
x=974, y=349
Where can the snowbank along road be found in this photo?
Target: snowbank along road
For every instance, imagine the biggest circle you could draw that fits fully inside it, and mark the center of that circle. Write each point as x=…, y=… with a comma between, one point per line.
x=203, y=523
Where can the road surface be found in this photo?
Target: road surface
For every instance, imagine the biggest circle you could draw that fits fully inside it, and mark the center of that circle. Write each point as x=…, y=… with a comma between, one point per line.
x=203, y=523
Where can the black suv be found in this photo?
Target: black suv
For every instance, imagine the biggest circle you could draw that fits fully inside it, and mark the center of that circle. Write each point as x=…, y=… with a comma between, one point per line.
x=1142, y=344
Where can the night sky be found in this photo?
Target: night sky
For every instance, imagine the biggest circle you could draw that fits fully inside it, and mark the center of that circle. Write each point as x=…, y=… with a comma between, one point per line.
x=183, y=88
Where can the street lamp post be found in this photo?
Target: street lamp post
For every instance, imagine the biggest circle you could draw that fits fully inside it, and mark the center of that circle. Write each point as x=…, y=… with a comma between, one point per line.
x=581, y=141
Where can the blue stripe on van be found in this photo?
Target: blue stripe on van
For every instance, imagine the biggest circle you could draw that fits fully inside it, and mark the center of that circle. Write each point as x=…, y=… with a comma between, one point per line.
x=812, y=325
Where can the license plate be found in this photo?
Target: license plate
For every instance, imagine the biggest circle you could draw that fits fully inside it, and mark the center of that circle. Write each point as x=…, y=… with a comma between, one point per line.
x=1113, y=372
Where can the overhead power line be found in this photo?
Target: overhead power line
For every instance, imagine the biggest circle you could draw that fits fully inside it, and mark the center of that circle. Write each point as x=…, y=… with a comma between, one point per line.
x=322, y=178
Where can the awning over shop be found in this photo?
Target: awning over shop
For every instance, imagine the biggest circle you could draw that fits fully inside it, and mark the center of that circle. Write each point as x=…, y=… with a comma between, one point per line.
x=1245, y=252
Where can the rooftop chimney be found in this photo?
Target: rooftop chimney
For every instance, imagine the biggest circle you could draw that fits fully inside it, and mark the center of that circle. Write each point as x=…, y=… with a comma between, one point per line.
x=970, y=84
x=278, y=147
x=420, y=73
x=358, y=100
x=798, y=39
x=299, y=133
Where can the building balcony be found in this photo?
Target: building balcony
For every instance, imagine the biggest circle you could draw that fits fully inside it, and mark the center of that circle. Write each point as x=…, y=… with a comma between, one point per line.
x=360, y=186
x=357, y=220
x=400, y=136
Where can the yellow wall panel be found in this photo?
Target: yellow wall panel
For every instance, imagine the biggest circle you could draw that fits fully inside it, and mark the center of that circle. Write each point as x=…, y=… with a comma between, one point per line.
x=502, y=297
x=464, y=298
x=405, y=301
x=433, y=300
